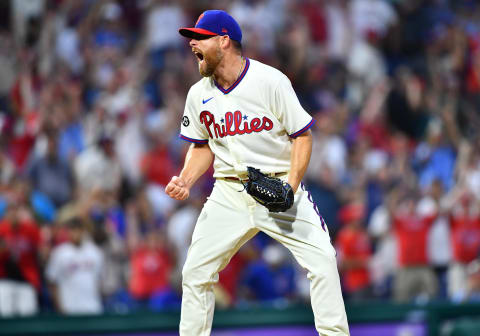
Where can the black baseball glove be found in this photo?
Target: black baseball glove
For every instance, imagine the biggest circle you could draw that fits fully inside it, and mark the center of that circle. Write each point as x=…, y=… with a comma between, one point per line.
x=271, y=192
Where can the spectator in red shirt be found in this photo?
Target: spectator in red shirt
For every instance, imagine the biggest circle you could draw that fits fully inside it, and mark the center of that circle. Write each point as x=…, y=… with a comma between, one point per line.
x=230, y=276
x=19, y=272
x=314, y=12
x=354, y=251
x=24, y=96
x=465, y=240
x=151, y=267
x=157, y=165
x=150, y=260
x=415, y=277
x=473, y=73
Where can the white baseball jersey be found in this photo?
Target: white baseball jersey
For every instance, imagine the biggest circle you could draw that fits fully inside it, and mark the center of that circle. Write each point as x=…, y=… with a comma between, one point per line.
x=249, y=124
x=77, y=272
x=252, y=124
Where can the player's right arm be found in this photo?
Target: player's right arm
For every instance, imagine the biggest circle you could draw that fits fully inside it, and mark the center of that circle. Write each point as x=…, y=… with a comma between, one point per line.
x=198, y=159
x=199, y=156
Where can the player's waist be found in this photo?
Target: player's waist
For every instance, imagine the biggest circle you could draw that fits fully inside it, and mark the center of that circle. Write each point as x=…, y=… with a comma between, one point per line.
x=244, y=177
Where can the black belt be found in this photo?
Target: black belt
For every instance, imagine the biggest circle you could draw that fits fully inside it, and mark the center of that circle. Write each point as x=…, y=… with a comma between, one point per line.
x=236, y=178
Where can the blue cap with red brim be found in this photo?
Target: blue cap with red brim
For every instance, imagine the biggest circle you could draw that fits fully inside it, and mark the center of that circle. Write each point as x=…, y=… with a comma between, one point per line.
x=212, y=23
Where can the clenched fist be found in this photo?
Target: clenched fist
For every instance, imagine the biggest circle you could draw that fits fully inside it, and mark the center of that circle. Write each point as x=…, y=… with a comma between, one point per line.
x=177, y=189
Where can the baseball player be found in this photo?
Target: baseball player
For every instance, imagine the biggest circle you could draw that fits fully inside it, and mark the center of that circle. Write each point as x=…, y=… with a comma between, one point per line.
x=246, y=114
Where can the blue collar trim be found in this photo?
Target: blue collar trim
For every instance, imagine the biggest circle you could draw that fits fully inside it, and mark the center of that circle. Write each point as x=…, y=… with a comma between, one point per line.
x=234, y=85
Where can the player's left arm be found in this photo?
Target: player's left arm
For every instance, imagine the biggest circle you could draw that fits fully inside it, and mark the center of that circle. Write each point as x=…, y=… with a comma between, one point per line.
x=299, y=159
x=296, y=121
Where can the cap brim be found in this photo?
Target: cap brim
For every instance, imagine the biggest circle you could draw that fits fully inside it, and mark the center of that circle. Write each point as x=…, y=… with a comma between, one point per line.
x=195, y=33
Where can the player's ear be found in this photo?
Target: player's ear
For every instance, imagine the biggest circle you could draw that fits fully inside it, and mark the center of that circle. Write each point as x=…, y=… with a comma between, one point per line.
x=225, y=41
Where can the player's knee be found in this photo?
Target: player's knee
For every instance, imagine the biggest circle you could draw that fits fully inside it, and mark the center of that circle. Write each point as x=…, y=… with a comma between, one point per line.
x=195, y=276
x=326, y=270
x=192, y=275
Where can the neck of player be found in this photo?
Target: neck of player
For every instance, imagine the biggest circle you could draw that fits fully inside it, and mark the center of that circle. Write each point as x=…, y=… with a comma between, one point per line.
x=229, y=70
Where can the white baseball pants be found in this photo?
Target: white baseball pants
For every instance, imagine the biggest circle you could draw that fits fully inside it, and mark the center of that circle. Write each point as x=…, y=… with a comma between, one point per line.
x=230, y=218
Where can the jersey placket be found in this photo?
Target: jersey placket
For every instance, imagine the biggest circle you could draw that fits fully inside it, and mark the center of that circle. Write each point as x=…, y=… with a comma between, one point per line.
x=233, y=147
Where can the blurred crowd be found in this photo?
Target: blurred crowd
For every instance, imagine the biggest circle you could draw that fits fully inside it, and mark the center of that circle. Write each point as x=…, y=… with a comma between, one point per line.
x=91, y=97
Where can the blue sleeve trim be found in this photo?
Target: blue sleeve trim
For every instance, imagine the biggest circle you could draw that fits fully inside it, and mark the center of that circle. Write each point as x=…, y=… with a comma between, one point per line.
x=183, y=137
x=297, y=133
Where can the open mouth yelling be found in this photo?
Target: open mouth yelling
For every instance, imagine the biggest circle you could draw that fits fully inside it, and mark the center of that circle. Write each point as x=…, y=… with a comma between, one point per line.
x=199, y=55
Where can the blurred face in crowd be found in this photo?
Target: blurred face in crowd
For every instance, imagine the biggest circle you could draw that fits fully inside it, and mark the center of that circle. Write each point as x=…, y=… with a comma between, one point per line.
x=75, y=233
x=470, y=205
x=436, y=189
x=209, y=54
x=407, y=205
x=106, y=145
x=20, y=191
x=12, y=214
x=52, y=146
x=17, y=212
x=326, y=123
